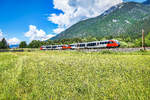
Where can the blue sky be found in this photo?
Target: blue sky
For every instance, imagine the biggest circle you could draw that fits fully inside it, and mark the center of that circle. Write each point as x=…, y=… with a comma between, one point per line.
x=26, y=20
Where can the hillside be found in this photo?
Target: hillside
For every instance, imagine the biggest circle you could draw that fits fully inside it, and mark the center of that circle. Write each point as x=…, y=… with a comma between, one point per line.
x=126, y=19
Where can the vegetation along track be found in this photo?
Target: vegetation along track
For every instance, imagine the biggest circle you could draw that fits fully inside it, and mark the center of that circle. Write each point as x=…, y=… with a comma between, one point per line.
x=114, y=49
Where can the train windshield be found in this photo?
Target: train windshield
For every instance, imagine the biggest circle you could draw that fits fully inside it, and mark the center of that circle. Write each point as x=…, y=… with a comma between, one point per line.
x=117, y=42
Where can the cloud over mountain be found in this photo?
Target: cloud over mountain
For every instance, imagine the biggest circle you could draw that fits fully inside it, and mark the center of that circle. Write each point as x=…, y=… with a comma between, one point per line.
x=77, y=10
x=35, y=34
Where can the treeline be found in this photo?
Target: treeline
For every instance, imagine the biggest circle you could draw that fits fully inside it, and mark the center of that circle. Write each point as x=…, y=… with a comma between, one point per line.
x=138, y=42
x=126, y=41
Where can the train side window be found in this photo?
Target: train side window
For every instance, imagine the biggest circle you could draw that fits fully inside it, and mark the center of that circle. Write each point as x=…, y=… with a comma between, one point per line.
x=94, y=44
x=54, y=47
x=72, y=45
x=82, y=45
x=88, y=44
x=91, y=44
x=111, y=42
x=102, y=42
x=48, y=47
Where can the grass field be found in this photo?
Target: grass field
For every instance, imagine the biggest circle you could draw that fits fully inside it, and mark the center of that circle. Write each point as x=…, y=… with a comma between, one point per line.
x=71, y=75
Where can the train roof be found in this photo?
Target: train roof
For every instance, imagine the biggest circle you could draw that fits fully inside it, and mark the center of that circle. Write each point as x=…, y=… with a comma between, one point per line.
x=81, y=43
x=97, y=41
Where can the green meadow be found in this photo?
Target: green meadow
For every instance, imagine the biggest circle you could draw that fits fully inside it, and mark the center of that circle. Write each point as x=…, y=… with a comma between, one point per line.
x=72, y=75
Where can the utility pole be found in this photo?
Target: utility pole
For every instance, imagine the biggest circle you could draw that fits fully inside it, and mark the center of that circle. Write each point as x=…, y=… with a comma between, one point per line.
x=143, y=40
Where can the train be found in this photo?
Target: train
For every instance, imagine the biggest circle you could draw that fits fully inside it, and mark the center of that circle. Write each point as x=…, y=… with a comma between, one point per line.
x=85, y=45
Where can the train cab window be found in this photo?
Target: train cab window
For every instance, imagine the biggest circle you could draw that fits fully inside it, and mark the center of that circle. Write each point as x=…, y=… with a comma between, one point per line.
x=43, y=47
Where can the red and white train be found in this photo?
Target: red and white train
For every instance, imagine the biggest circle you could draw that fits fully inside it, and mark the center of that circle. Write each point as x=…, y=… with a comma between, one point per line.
x=86, y=45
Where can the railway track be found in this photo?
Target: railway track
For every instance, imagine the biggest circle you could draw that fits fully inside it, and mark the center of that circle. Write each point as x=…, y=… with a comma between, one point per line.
x=84, y=50
x=114, y=49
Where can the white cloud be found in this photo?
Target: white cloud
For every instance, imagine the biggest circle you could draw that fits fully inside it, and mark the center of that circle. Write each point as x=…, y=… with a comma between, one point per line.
x=35, y=34
x=77, y=10
x=58, y=30
x=1, y=34
x=13, y=41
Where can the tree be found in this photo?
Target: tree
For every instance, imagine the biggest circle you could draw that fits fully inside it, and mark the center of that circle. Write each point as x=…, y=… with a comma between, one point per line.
x=23, y=44
x=35, y=44
x=3, y=44
x=49, y=42
x=147, y=40
x=109, y=37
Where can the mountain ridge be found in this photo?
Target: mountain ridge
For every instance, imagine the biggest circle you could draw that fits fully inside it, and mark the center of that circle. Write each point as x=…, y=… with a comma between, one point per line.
x=123, y=19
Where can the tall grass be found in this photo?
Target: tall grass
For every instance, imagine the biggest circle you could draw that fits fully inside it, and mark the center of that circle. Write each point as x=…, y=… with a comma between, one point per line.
x=71, y=75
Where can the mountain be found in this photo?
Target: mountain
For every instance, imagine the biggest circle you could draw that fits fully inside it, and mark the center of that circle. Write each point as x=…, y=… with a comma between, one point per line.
x=14, y=46
x=124, y=19
x=146, y=2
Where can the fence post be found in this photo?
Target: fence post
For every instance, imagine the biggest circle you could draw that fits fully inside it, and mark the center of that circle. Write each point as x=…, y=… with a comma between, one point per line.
x=143, y=40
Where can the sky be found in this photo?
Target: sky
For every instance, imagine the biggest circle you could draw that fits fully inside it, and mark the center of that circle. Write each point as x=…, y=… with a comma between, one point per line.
x=27, y=20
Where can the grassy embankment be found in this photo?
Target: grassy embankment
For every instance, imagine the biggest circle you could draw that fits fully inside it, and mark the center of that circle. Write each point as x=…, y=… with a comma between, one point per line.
x=59, y=75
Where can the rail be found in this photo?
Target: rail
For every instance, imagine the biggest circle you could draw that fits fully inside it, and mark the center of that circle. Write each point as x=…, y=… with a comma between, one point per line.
x=86, y=50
